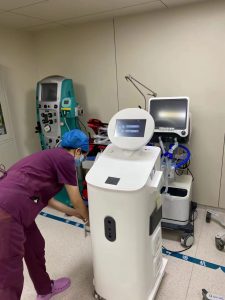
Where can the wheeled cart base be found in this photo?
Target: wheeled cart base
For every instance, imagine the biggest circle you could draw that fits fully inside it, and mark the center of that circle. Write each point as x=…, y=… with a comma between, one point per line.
x=220, y=236
x=186, y=231
x=207, y=296
x=177, y=208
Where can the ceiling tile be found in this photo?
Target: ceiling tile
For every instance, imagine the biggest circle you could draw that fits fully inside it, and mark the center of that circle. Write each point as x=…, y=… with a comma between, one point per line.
x=117, y=12
x=44, y=27
x=12, y=4
x=18, y=21
x=55, y=10
x=172, y=3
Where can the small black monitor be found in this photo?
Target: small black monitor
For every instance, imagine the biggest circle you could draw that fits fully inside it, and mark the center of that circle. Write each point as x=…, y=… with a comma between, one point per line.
x=169, y=113
x=49, y=92
x=130, y=127
x=172, y=118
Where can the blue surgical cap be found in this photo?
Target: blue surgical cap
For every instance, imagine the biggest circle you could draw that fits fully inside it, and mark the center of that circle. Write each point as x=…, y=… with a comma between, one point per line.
x=75, y=139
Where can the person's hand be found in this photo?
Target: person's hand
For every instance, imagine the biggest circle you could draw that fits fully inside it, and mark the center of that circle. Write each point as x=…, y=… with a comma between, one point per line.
x=81, y=214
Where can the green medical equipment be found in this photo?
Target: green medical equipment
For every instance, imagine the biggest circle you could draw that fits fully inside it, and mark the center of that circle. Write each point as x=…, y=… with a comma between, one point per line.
x=57, y=112
x=57, y=109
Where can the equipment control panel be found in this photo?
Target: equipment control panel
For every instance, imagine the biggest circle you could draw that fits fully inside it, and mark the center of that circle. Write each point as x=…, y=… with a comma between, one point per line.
x=56, y=110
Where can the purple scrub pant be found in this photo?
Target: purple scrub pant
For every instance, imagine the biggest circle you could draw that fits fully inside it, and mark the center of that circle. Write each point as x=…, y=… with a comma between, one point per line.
x=16, y=243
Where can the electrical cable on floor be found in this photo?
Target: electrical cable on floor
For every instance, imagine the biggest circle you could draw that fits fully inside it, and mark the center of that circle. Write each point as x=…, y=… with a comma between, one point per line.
x=193, y=220
x=176, y=251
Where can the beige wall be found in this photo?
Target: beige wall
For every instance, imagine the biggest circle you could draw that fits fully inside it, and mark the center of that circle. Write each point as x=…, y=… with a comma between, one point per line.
x=175, y=52
x=84, y=53
x=19, y=67
x=181, y=52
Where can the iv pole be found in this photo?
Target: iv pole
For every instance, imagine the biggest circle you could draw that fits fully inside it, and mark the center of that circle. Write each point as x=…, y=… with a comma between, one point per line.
x=133, y=80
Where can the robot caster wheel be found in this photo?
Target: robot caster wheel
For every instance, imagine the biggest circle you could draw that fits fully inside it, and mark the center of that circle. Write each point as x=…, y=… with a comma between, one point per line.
x=208, y=217
x=187, y=240
x=219, y=243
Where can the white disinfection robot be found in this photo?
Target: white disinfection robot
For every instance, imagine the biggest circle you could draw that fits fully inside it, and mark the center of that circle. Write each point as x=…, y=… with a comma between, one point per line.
x=125, y=211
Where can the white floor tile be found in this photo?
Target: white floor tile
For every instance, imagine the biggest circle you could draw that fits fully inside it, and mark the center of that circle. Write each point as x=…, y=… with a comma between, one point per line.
x=203, y=278
x=206, y=246
x=68, y=253
x=176, y=280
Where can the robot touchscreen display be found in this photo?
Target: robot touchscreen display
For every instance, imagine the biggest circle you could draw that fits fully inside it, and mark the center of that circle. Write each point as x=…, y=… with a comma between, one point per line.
x=130, y=127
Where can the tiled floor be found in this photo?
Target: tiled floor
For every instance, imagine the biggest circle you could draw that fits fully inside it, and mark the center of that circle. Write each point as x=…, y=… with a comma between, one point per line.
x=68, y=253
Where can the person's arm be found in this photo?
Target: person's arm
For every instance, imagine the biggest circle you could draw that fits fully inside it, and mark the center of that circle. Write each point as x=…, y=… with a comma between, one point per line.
x=77, y=201
x=63, y=208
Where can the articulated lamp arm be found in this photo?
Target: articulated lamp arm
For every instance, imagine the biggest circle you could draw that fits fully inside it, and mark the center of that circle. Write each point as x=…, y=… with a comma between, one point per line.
x=133, y=81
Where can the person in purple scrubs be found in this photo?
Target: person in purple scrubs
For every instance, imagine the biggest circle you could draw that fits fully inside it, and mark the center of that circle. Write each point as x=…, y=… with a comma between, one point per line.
x=25, y=189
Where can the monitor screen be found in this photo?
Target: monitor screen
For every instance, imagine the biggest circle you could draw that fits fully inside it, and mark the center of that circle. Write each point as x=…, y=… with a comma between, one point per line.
x=169, y=113
x=49, y=92
x=130, y=128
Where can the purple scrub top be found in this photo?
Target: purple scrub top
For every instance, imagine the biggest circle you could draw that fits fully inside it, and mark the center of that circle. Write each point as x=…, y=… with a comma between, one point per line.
x=33, y=181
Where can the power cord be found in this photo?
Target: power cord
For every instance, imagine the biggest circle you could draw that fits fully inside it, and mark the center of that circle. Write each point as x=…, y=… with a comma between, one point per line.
x=176, y=251
x=192, y=218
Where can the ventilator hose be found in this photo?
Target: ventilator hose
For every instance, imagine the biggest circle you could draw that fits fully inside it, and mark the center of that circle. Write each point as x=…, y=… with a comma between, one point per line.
x=187, y=158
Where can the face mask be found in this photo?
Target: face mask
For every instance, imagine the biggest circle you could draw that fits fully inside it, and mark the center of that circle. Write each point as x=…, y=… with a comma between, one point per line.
x=79, y=160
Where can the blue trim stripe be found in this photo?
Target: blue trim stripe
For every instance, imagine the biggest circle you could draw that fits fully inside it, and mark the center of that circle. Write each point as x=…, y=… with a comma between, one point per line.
x=63, y=220
x=181, y=256
x=194, y=260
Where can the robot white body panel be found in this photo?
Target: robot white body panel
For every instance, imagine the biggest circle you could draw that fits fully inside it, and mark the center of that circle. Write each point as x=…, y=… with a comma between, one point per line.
x=132, y=168
x=125, y=223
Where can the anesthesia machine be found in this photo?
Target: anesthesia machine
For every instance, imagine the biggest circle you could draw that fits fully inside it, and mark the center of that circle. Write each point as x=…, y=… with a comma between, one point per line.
x=125, y=211
x=172, y=130
x=57, y=109
x=57, y=112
